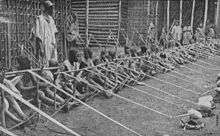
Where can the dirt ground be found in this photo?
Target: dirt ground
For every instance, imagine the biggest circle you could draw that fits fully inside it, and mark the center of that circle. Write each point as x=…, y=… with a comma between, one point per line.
x=147, y=123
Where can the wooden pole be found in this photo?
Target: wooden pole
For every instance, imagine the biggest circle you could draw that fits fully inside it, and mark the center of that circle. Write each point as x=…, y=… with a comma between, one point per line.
x=192, y=14
x=119, y=20
x=217, y=11
x=3, y=110
x=65, y=32
x=87, y=23
x=148, y=11
x=168, y=15
x=217, y=18
x=205, y=14
x=181, y=12
x=156, y=20
x=17, y=97
x=4, y=130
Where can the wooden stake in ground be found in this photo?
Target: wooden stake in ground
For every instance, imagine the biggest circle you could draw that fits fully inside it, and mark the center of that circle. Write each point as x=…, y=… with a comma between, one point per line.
x=217, y=18
x=168, y=15
x=3, y=87
x=181, y=12
x=205, y=13
x=6, y=131
x=192, y=15
x=156, y=19
x=87, y=23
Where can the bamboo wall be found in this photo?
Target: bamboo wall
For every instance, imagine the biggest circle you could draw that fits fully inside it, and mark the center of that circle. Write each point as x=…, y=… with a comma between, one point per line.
x=103, y=16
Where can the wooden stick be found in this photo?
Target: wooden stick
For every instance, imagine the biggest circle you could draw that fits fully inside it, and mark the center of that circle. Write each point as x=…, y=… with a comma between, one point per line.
x=148, y=9
x=181, y=12
x=205, y=13
x=192, y=14
x=24, y=71
x=168, y=15
x=87, y=23
x=217, y=15
x=61, y=90
x=7, y=132
x=156, y=19
x=37, y=110
x=3, y=109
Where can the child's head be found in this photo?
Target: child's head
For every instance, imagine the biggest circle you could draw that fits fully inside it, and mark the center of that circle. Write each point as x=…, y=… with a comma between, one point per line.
x=87, y=54
x=23, y=62
x=73, y=56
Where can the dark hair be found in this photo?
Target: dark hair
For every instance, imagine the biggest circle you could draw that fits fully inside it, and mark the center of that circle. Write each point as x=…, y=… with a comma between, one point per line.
x=87, y=54
x=143, y=49
x=112, y=54
x=163, y=55
x=24, y=62
x=73, y=56
x=96, y=62
x=133, y=52
x=126, y=49
x=102, y=55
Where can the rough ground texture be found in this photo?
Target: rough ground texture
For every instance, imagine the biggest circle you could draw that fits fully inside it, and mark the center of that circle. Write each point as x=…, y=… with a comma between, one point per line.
x=147, y=123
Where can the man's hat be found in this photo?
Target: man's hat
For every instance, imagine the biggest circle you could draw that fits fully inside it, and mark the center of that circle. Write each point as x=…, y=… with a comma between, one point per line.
x=218, y=83
x=217, y=90
x=218, y=75
x=47, y=3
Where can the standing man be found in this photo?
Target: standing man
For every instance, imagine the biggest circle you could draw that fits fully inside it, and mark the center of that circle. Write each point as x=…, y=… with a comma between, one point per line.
x=44, y=31
x=176, y=32
x=72, y=31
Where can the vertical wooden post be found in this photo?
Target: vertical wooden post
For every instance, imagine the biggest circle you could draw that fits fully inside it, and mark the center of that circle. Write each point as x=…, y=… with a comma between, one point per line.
x=3, y=110
x=156, y=19
x=2, y=76
x=65, y=32
x=168, y=15
x=205, y=13
x=192, y=14
x=148, y=11
x=9, y=45
x=217, y=18
x=119, y=21
x=217, y=11
x=87, y=23
x=181, y=12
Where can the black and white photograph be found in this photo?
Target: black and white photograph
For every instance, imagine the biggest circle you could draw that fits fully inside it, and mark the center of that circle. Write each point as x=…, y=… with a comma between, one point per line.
x=109, y=67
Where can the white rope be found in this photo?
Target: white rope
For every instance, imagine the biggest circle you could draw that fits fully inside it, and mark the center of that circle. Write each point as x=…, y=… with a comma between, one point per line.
x=7, y=132
x=37, y=110
x=182, y=115
x=139, y=90
x=126, y=99
x=207, y=92
x=81, y=69
x=141, y=57
x=61, y=90
x=206, y=62
x=169, y=94
x=188, y=90
x=169, y=73
x=24, y=71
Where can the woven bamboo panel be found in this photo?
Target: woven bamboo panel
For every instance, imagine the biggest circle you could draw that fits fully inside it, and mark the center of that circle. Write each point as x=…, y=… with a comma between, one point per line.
x=103, y=18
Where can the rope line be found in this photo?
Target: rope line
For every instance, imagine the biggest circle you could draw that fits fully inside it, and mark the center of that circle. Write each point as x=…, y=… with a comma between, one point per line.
x=162, y=81
x=37, y=110
x=116, y=122
x=139, y=90
x=7, y=132
x=126, y=99
x=155, y=88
